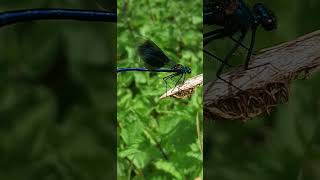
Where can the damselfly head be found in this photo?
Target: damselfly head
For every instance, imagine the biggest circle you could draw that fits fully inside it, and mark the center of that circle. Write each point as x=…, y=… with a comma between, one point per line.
x=188, y=69
x=265, y=17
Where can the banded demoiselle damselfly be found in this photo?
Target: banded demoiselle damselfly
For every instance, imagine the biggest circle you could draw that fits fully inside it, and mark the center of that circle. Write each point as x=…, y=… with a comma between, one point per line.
x=155, y=60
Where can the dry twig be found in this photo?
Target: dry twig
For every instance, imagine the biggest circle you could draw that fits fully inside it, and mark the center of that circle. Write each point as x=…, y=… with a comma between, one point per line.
x=186, y=89
x=262, y=87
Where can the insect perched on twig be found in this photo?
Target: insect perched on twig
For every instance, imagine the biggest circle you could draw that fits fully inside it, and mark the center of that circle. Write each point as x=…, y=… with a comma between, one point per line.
x=154, y=60
x=235, y=16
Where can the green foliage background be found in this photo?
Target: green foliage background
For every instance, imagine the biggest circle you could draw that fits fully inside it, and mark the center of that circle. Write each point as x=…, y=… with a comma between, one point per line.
x=34, y=143
x=284, y=145
x=149, y=127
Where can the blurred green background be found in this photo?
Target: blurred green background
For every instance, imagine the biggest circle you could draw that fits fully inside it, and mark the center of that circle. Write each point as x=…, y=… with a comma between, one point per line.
x=158, y=139
x=285, y=145
x=58, y=96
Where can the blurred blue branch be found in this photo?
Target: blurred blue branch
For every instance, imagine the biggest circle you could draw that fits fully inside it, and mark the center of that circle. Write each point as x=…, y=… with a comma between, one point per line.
x=11, y=17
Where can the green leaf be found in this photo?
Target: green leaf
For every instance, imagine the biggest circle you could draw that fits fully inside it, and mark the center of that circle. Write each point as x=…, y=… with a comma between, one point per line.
x=169, y=168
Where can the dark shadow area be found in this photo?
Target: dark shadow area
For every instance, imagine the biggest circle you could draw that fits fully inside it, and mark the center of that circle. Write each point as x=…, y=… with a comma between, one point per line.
x=58, y=96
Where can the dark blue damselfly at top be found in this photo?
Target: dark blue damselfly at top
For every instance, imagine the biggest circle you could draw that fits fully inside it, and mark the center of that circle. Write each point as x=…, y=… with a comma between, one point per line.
x=155, y=60
x=11, y=17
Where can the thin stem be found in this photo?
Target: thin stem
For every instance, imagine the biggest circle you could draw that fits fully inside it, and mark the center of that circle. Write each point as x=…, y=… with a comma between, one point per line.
x=165, y=156
x=199, y=134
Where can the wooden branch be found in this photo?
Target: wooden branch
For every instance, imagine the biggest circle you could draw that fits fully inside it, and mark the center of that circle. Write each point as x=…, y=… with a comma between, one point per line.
x=262, y=88
x=186, y=89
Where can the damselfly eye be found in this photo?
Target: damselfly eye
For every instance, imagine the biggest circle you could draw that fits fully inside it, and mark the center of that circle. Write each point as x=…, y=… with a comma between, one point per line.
x=269, y=24
x=188, y=70
x=266, y=17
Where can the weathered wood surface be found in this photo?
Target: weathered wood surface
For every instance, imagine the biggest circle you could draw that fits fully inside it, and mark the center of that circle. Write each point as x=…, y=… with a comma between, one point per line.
x=262, y=87
x=186, y=89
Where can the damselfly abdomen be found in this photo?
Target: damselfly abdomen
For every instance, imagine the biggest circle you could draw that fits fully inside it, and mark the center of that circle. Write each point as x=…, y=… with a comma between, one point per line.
x=26, y=15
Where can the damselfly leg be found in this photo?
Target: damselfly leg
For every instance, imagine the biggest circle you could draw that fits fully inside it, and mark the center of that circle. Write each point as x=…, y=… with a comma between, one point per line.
x=253, y=36
x=249, y=54
x=213, y=35
x=241, y=44
x=177, y=83
x=165, y=79
x=208, y=38
x=216, y=57
x=220, y=70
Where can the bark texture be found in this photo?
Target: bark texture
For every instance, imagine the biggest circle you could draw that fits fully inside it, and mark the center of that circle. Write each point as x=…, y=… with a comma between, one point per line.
x=266, y=84
x=186, y=89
